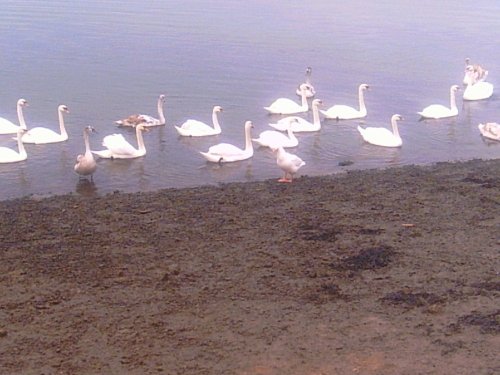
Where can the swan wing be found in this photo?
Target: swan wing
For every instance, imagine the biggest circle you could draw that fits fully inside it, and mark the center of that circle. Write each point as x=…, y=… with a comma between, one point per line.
x=41, y=135
x=274, y=139
x=285, y=106
x=7, y=127
x=138, y=119
x=118, y=145
x=8, y=155
x=379, y=137
x=195, y=128
x=297, y=124
x=436, y=111
x=490, y=130
x=342, y=112
x=478, y=91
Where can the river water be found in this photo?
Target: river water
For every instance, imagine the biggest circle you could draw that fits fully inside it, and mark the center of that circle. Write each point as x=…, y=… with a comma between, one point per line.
x=106, y=60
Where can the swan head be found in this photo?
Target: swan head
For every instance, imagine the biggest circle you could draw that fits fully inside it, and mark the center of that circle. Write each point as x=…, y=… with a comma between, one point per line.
x=22, y=102
x=63, y=108
x=397, y=117
x=364, y=86
x=454, y=88
x=89, y=129
x=218, y=108
x=248, y=125
x=162, y=98
x=317, y=102
x=304, y=87
x=308, y=71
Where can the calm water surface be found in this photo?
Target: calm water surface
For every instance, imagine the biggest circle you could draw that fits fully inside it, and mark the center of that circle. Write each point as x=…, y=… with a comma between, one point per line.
x=106, y=60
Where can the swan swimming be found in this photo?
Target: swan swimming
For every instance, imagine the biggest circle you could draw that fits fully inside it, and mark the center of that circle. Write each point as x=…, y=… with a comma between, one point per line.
x=310, y=92
x=118, y=147
x=473, y=73
x=478, y=91
x=289, y=163
x=382, y=136
x=437, y=111
x=85, y=163
x=195, y=128
x=40, y=135
x=8, y=155
x=490, y=130
x=226, y=153
x=344, y=112
x=274, y=139
x=146, y=120
x=285, y=106
x=7, y=127
x=299, y=124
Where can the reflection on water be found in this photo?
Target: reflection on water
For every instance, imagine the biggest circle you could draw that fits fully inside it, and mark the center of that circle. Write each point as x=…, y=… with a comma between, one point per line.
x=86, y=187
x=241, y=57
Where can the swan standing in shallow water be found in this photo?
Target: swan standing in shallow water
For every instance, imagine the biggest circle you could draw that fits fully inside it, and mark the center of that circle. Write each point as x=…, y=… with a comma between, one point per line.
x=145, y=120
x=289, y=163
x=195, y=128
x=490, y=130
x=119, y=148
x=226, y=153
x=478, y=91
x=382, y=136
x=473, y=73
x=85, y=163
x=298, y=124
x=274, y=139
x=310, y=92
x=8, y=155
x=285, y=106
x=437, y=111
x=344, y=112
x=41, y=135
x=7, y=127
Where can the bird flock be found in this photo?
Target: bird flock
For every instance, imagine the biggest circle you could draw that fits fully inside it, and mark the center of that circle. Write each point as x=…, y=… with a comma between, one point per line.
x=283, y=135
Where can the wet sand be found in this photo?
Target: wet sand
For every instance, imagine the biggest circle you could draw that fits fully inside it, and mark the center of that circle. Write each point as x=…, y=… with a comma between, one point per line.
x=367, y=272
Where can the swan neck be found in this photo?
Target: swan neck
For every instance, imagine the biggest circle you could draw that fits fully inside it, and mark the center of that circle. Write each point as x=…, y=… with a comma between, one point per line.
x=291, y=134
x=160, y=112
x=20, y=117
x=362, y=107
x=86, y=141
x=453, y=102
x=395, y=129
x=316, y=120
x=248, y=140
x=140, y=139
x=20, y=146
x=215, y=121
x=304, y=100
x=61, y=124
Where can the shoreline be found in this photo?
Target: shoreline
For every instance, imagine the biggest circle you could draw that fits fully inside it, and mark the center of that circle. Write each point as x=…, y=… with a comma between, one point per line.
x=369, y=271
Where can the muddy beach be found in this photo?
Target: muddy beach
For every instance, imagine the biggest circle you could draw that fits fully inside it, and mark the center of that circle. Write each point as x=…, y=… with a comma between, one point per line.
x=369, y=272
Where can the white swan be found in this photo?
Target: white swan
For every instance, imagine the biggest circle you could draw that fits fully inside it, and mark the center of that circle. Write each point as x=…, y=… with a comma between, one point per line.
x=226, y=153
x=436, y=111
x=382, y=136
x=284, y=106
x=310, y=92
x=145, y=120
x=473, y=73
x=490, y=130
x=85, y=163
x=289, y=163
x=7, y=127
x=119, y=148
x=478, y=91
x=41, y=135
x=274, y=139
x=298, y=124
x=8, y=155
x=344, y=112
x=195, y=128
